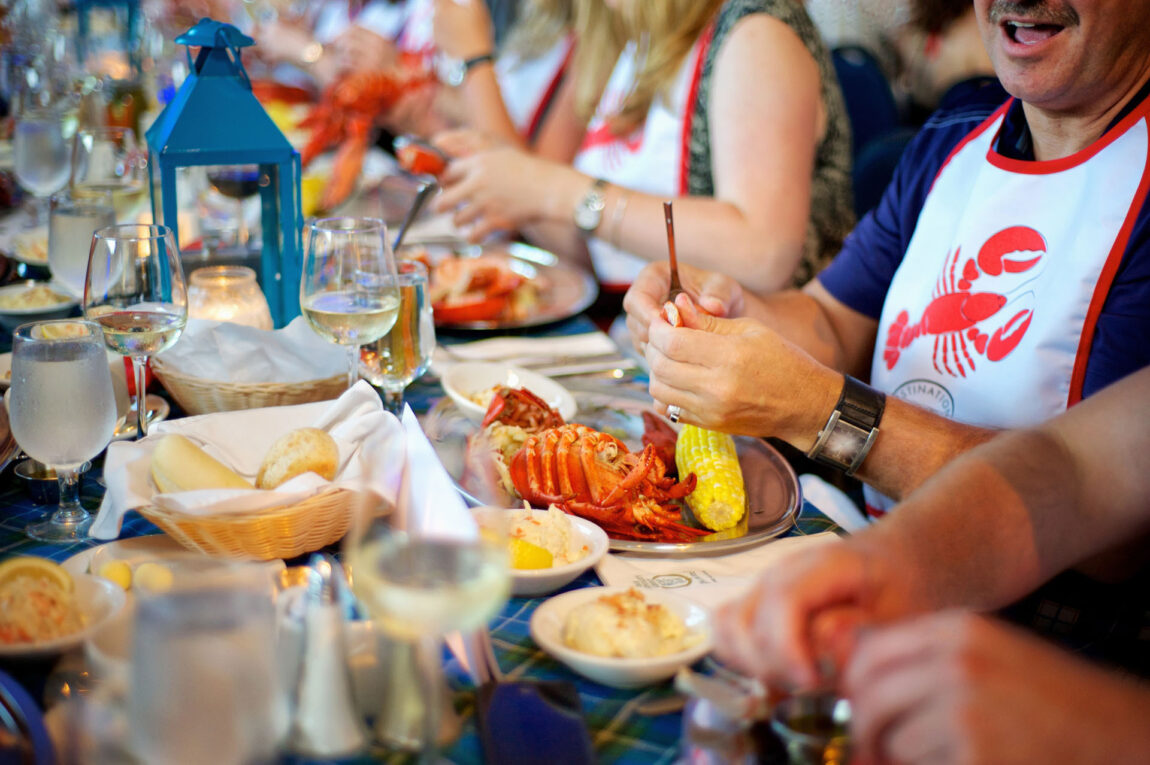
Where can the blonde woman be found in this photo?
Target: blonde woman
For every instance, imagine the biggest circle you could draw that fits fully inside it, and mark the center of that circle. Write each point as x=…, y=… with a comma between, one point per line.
x=729, y=106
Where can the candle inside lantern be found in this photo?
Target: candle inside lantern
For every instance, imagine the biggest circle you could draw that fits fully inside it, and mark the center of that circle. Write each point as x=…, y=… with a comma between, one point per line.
x=228, y=293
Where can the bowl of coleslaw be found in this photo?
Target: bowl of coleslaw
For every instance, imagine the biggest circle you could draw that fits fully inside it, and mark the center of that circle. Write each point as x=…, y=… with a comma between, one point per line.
x=41, y=621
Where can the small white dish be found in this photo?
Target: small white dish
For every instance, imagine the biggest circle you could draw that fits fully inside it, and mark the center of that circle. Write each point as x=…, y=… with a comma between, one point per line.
x=547, y=631
x=531, y=582
x=477, y=377
x=10, y=318
x=132, y=550
x=98, y=600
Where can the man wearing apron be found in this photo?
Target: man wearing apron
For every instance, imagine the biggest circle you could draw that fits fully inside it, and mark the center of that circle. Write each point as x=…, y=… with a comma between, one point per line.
x=1004, y=276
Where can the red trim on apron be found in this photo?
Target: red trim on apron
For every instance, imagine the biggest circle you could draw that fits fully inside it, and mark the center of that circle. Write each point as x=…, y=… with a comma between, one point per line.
x=689, y=116
x=541, y=108
x=616, y=288
x=1109, y=270
x=1036, y=167
x=970, y=137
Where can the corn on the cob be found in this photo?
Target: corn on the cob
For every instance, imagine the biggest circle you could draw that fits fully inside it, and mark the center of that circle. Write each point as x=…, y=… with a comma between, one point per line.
x=719, y=499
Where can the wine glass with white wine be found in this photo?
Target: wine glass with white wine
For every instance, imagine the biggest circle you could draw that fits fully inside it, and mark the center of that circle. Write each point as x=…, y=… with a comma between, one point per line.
x=403, y=354
x=348, y=292
x=135, y=291
x=108, y=160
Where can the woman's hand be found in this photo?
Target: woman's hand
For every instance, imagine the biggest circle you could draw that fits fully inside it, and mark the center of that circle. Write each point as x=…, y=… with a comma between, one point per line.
x=463, y=142
x=738, y=376
x=713, y=292
x=953, y=687
x=463, y=29
x=500, y=189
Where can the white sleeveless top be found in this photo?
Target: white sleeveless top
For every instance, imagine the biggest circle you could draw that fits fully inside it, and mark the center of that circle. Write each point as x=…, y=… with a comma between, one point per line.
x=990, y=316
x=652, y=159
x=528, y=84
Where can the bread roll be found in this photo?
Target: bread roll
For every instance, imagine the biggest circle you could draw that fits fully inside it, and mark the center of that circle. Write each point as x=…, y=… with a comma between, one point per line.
x=180, y=465
x=298, y=452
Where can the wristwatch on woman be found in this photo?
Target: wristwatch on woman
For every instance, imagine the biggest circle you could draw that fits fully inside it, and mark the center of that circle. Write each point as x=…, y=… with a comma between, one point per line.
x=589, y=209
x=454, y=70
x=851, y=430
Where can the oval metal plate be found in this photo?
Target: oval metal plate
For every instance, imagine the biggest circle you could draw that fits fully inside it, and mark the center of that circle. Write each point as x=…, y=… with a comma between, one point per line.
x=773, y=493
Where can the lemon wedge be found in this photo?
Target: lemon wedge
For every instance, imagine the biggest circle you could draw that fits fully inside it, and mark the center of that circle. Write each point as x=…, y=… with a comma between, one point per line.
x=525, y=555
x=42, y=568
x=153, y=577
x=117, y=571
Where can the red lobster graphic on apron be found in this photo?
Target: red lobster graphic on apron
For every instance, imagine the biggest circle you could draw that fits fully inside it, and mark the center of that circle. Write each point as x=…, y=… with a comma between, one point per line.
x=958, y=312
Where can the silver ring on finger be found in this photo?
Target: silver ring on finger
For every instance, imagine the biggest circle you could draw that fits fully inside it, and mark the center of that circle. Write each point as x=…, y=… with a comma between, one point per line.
x=674, y=413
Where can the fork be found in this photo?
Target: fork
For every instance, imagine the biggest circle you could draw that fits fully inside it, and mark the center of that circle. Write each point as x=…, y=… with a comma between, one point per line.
x=676, y=287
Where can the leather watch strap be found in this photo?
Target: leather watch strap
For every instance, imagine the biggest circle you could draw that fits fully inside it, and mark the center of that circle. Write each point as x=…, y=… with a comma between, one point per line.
x=851, y=429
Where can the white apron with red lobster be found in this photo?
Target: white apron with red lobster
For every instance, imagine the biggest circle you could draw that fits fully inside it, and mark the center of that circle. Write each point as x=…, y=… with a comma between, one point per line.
x=990, y=316
x=651, y=159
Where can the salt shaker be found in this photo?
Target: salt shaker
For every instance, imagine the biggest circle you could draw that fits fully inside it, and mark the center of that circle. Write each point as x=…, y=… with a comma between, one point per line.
x=325, y=721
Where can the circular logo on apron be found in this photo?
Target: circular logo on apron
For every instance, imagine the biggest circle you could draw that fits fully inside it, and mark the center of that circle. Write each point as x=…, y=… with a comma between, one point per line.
x=928, y=394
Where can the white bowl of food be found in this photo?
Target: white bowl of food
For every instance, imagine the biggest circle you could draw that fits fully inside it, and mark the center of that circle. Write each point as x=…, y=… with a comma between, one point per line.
x=92, y=603
x=34, y=301
x=549, y=547
x=613, y=636
x=471, y=385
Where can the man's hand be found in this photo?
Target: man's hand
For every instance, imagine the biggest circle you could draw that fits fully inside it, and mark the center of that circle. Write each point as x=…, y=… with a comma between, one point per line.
x=713, y=292
x=953, y=687
x=738, y=376
x=802, y=616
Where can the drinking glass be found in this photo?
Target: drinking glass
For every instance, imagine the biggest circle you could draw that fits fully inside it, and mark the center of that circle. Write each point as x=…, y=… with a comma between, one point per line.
x=108, y=160
x=135, y=291
x=418, y=588
x=71, y=223
x=403, y=354
x=203, y=674
x=40, y=149
x=237, y=182
x=348, y=292
x=62, y=411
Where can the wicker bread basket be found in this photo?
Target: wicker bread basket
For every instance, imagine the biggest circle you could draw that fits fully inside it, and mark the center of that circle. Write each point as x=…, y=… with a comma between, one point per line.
x=282, y=532
x=195, y=395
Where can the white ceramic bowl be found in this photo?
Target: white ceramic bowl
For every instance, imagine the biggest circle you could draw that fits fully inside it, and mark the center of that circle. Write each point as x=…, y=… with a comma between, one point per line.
x=98, y=600
x=547, y=631
x=11, y=318
x=529, y=582
x=471, y=377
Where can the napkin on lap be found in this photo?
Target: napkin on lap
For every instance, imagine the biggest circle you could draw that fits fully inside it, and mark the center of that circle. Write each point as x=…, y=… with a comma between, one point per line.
x=240, y=440
x=709, y=581
x=219, y=350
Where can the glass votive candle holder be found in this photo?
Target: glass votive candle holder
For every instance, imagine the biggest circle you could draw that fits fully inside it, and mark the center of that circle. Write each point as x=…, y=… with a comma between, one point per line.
x=228, y=293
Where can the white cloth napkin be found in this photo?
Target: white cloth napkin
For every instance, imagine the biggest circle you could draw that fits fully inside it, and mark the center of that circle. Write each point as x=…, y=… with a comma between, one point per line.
x=240, y=440
x=428, y=500
x=217, y=350
x=519, y=350
x=709, y=581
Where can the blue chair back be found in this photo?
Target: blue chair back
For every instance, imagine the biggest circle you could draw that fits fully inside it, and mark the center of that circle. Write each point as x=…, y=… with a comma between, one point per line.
x=869, y=99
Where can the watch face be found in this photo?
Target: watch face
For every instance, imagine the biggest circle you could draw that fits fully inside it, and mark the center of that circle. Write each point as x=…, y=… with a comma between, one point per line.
x=844, y=443
x=450, y=71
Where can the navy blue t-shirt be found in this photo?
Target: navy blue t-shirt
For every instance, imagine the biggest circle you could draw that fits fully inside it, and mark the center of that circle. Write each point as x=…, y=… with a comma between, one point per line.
x=861, y=274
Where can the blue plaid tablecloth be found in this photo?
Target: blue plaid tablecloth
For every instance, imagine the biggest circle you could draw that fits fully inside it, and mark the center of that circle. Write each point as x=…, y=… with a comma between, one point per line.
x=618, y=732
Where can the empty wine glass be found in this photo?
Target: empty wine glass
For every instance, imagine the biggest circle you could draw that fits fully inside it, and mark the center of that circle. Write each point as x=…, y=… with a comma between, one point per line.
x=62, y=411
x=348, y=292
x=135, y=291
x=403, y=354
x=41, y=153
x=420, y=586
x=108, y=160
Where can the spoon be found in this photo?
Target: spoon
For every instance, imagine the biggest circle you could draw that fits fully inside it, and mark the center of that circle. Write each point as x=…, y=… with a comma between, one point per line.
x=426, y=189
x=676, y=287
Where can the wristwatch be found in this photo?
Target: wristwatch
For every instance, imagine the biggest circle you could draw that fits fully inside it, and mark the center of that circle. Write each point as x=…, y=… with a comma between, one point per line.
x=589, y=209
x=453, y=71
x=851, y=430
x=311, y=53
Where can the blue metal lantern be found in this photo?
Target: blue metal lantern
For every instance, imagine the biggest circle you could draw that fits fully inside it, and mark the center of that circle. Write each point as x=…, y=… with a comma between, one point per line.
x=214, y=119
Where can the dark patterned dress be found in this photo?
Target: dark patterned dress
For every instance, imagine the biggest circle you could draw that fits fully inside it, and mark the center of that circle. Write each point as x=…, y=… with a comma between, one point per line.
x=832, y=212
